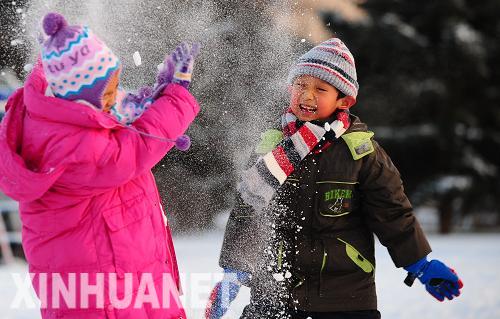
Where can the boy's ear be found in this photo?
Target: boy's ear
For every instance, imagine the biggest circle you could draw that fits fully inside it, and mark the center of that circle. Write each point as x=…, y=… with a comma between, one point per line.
x=346, y=102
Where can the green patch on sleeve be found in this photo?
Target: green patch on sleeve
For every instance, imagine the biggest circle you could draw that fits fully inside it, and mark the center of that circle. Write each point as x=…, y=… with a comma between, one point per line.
x=268, y=140
x=359, y=143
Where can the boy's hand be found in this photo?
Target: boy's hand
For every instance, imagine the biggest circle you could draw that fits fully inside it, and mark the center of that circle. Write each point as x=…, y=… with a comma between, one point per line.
x=439, y=280
x=225, y=292
x=183, y=59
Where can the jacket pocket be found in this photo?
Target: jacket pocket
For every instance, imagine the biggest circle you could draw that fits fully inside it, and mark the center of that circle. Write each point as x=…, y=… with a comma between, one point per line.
x=132, y=235
x=357, y=258
x=340, y=256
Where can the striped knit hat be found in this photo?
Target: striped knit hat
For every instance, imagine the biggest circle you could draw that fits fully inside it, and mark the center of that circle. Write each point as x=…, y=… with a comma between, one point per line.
x=330, y=61
x=77, y=64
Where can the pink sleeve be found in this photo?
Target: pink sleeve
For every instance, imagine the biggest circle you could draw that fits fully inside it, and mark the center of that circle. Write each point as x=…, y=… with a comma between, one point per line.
x=120, y=155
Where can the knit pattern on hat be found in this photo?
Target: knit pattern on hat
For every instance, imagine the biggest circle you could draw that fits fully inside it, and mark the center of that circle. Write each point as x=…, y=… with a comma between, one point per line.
x=260, y=182
x=77, y=64
x=330, y=61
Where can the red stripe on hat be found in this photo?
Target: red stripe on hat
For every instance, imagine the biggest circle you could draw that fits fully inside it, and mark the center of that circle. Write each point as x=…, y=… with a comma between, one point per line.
x=330, y=71
x=283, y=161
x=338, y=51
x=308, y=136
x=333, y=42
x=336, y=43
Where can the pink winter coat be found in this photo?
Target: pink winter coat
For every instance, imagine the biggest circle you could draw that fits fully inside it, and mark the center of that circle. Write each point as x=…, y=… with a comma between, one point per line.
x=88, y=200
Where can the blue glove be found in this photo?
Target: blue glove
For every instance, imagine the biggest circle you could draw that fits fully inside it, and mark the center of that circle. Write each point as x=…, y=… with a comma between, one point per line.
x=225, y=292
x=439, y=280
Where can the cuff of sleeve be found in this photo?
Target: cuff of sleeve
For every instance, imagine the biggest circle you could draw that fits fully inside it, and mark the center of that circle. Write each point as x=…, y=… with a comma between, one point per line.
x=415, y=268
x=175, y=89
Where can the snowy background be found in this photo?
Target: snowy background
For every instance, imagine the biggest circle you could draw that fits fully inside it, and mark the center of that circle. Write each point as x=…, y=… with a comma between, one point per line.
x=425, y=70
x=474, y=256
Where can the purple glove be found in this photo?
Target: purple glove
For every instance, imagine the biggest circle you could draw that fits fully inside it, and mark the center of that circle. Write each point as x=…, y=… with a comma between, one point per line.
x=439, y=280
x=183, y=58
x=177, y=68
x=165, y=76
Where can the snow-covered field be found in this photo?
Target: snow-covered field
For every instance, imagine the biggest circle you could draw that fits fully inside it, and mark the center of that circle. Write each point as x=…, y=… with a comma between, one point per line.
x=474, y=256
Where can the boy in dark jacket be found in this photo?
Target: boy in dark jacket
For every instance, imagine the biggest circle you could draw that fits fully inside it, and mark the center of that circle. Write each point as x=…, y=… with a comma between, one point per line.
x=301, y=232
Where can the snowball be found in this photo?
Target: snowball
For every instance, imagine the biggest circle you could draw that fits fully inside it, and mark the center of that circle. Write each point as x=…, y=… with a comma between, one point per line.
x=288, y=274
x=16, y=42
x=278, y=277
x=28, y=67
x=302, y=40
x=137, y=58
x=327, y=127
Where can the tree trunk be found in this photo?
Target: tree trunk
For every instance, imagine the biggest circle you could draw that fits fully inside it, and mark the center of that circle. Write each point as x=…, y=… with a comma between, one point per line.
x=445, y=208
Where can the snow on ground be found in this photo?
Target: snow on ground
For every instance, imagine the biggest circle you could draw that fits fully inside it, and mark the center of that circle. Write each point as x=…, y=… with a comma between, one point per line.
x=474, y=256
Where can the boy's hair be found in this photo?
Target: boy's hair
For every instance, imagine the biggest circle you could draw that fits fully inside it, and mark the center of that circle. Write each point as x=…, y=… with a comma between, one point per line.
x=330, y=61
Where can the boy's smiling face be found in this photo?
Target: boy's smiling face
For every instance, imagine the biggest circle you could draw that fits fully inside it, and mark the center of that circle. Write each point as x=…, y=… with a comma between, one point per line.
x=315, y=99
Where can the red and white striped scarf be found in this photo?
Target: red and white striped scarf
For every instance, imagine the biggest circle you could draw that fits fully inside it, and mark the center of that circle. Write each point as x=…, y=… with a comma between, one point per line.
x=260, y=182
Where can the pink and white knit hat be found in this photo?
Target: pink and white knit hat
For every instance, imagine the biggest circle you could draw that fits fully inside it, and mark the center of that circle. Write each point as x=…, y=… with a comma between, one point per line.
x=77, y=64
x=330, y=61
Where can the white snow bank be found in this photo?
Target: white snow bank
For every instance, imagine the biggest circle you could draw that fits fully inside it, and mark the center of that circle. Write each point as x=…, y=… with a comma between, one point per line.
x=474, y=256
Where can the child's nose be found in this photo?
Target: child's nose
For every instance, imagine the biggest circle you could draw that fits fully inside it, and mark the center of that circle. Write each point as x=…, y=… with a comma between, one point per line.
x=308, y=94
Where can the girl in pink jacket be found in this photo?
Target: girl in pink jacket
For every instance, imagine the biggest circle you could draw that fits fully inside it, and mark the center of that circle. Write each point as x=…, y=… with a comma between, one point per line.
x=78, y=159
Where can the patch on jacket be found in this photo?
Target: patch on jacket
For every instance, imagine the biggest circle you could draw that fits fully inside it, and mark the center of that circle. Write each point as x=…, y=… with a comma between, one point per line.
x=337, y=193
x=359, y=143
x=336, y=202
x=268, y=140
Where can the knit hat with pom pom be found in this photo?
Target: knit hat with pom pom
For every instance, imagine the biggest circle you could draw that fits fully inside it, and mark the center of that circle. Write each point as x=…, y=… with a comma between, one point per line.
x=77, y=64
x=330, y=61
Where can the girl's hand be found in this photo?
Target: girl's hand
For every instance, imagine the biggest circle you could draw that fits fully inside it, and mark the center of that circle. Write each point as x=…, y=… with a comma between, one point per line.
x=183, y=57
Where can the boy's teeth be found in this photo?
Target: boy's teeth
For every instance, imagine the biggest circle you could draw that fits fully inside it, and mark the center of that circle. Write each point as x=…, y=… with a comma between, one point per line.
x=308, y=108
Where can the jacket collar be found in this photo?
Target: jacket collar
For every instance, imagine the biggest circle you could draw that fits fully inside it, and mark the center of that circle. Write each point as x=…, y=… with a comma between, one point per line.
x=356, y=125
